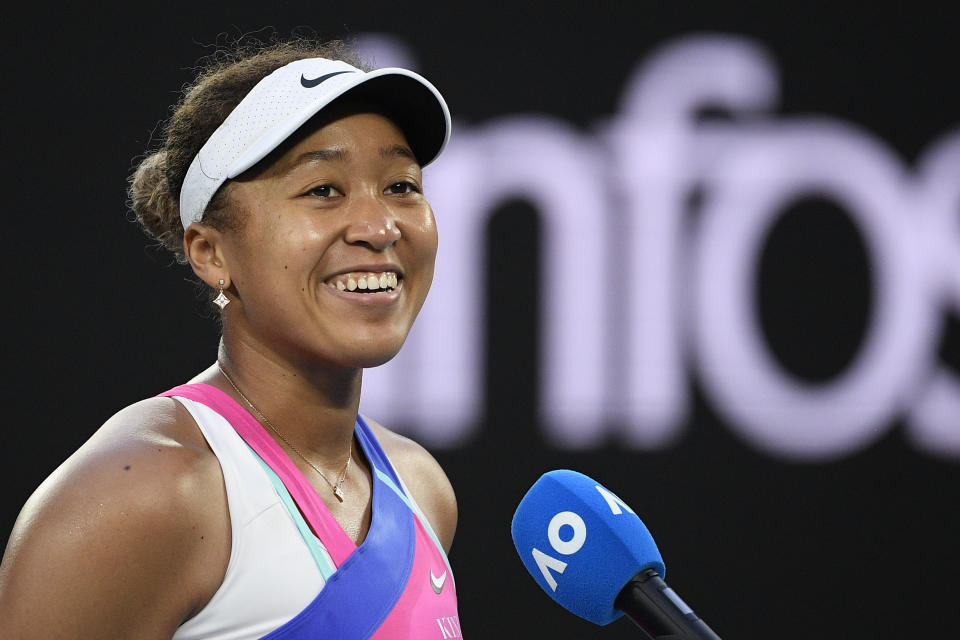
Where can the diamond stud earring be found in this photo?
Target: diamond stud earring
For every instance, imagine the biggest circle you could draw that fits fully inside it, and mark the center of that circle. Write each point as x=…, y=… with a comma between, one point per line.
x=221, y=300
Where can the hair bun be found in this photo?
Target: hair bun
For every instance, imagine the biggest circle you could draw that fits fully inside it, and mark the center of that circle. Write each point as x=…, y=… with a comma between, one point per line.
x=154, y=206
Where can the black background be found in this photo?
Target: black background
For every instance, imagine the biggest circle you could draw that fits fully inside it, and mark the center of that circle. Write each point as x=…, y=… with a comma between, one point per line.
x=860, y=547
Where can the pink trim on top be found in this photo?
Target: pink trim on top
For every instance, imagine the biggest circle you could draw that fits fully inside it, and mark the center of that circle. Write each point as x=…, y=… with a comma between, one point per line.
x=316, y=513
x=419, y=610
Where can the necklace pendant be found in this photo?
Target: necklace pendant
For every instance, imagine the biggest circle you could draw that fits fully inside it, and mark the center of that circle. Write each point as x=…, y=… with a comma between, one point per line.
x=337, y=491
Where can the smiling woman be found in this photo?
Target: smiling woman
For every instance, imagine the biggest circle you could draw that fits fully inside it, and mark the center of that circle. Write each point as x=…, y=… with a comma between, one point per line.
x=254, y=501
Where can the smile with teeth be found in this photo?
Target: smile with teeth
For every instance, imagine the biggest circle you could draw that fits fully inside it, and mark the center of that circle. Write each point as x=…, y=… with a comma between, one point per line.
x=367, y=282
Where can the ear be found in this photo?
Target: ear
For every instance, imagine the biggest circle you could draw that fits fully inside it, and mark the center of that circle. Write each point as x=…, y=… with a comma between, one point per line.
x=204, y=247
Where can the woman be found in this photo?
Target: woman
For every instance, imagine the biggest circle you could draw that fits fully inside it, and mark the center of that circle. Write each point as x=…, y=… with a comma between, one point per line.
x=255, y=501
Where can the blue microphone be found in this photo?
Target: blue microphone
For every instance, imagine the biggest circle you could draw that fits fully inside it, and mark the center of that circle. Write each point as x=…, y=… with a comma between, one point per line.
x=593, y=555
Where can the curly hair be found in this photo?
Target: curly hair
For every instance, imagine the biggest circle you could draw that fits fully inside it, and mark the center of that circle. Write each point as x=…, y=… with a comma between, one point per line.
x=222, y=81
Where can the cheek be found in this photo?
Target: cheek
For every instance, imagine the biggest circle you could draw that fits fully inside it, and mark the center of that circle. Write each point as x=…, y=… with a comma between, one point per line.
x=293, y=239
x=426, y=254
x=423, y=238
x=275, y=261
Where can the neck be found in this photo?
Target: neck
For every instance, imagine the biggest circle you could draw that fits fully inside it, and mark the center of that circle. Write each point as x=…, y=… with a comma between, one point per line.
x=314, y=407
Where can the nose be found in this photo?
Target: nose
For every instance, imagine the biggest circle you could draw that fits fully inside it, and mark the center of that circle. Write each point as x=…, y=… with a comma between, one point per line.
x=373, y=224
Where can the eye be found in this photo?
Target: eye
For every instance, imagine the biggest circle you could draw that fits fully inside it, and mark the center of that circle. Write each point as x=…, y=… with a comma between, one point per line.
x=402, y=187
x=323, y=191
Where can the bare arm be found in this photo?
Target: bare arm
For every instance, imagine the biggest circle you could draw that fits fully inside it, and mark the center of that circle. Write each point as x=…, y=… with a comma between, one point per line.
x=125, y=540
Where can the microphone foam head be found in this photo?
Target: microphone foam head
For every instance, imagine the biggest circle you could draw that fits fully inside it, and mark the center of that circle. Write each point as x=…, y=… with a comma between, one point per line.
x=581, y=543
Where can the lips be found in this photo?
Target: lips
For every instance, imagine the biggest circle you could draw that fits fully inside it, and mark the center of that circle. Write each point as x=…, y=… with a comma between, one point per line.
x=369, y=282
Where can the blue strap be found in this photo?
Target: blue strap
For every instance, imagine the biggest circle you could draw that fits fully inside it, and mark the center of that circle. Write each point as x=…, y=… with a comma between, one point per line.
x=361, y=593
x=423, y=519
x=319, y=553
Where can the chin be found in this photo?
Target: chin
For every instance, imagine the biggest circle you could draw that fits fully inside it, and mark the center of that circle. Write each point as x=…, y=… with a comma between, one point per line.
x=368, y=361
x=372, y=354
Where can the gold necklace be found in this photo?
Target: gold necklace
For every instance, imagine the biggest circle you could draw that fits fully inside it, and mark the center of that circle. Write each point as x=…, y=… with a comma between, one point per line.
x=337, y=488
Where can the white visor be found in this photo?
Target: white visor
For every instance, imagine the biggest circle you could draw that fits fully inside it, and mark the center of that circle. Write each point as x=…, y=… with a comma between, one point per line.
x=284, y=100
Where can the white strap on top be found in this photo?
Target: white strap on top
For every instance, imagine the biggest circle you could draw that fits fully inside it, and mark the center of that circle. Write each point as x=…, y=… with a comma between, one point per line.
x=271, y=575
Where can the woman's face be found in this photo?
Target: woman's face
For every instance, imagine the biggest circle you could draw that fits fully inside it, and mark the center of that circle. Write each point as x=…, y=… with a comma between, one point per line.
x=336, y=252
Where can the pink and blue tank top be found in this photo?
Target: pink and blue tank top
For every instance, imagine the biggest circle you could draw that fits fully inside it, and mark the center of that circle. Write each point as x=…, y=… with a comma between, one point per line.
x=294, y=574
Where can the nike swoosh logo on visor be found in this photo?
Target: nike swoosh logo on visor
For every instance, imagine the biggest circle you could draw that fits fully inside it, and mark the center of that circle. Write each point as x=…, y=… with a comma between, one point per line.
x=312, y=82
x=437, y=583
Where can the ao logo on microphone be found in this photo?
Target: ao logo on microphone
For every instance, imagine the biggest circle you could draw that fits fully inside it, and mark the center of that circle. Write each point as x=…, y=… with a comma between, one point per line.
x=574, y=523
x=581, y=543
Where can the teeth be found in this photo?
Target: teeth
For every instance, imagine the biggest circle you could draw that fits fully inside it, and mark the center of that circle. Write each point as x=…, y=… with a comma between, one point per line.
x=386, y=280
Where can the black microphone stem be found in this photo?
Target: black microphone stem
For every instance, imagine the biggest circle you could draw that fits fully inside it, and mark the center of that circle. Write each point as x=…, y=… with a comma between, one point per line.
x=659, y=612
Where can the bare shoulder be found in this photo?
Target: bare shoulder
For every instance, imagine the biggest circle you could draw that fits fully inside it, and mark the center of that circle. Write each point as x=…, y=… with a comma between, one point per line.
x=425, y=479
x=125, y=538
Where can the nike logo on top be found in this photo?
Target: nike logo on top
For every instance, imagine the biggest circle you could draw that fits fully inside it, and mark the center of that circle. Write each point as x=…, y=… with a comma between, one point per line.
x=309, y=83
x=437, y=583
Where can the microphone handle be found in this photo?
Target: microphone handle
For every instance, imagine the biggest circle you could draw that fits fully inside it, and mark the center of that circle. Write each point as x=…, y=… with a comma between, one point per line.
x=659, y=612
